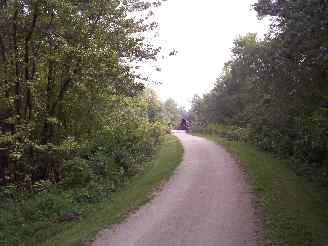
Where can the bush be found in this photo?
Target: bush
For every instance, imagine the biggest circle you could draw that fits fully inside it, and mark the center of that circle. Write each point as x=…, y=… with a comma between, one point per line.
x=306, y=146
x=77, y=172
x=234, y=133
x=19, y=220
x=127, y=142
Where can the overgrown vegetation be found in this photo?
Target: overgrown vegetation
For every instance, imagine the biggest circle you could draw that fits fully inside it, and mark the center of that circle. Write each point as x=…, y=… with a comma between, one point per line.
x=135, y=193
x=276, y=89
x=59, y=216
x=294, y=210
x=76, y=121
x=67, y=84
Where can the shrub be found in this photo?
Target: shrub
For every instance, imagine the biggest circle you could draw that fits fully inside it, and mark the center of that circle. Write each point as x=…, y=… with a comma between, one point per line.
x=77, y=172
x=230, y=132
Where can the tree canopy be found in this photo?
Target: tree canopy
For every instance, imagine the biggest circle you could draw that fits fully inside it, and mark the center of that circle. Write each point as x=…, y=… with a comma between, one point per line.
x=277, y=87
x=66, y=67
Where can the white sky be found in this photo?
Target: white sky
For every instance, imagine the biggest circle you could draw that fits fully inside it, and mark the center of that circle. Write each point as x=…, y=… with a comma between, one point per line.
x=202, y=32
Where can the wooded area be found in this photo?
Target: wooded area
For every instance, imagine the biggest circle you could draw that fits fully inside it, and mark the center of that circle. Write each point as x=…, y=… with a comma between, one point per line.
x=76, y=120
x=274, y=92
x=68, y=89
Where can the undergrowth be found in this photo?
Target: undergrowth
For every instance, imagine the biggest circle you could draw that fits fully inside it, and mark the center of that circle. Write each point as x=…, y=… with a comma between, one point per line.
x=294, y=209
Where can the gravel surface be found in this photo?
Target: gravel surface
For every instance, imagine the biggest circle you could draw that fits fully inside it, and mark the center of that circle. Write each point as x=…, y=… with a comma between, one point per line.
x=206, y=203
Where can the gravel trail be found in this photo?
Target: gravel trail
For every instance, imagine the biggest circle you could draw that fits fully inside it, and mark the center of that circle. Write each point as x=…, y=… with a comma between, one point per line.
x=206, y=203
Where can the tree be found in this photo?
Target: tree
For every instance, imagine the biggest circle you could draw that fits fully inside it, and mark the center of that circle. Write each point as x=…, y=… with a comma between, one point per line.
x=61, y=64
x=154, y=107
x=171, y=113
x=277, y=87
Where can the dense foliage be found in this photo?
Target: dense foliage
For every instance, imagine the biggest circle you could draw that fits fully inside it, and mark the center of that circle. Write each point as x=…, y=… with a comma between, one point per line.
x=277, y=87
x=75, y=119
x=173, y=113
x=66, y=78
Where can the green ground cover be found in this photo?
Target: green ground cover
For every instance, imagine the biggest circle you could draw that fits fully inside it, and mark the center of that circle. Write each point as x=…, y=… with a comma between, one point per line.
x=294, y=210
x=94, y=216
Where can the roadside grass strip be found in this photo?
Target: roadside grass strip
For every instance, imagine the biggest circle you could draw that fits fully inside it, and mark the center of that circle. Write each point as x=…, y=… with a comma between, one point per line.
x=294, y=210
x=136, y=193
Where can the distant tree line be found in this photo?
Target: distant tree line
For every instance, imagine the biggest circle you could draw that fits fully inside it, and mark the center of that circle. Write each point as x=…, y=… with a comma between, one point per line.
x=277, y=88
x=173, y=113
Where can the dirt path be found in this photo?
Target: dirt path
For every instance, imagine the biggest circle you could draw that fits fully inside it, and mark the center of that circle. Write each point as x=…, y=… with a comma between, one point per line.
x=206, y=203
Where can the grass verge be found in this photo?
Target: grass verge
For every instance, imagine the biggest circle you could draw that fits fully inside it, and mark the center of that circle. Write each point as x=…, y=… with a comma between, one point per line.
x=133, y=195
x=294, y=211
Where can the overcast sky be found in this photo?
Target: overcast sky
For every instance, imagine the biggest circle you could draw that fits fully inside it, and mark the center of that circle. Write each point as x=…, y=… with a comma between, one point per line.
x=202, y=32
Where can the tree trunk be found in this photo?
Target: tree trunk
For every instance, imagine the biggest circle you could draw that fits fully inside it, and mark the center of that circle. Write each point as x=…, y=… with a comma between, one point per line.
x=29, y=75
x=16, y=58
x=3, y=166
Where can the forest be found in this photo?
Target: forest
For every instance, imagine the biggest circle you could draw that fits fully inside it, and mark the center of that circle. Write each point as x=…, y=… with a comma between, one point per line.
x=273, y=92
x=76, y=119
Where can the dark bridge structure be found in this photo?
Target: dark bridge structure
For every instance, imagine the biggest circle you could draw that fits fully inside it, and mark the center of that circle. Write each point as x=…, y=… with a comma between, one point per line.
x=185, y=125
